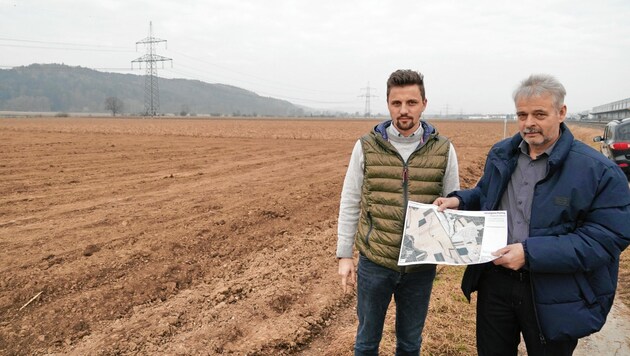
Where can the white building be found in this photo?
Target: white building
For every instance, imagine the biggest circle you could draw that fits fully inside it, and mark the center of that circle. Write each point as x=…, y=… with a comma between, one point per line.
x=615, y=110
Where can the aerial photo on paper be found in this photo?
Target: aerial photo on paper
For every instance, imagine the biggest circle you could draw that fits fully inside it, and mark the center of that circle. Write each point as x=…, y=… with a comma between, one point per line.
x=451, y=237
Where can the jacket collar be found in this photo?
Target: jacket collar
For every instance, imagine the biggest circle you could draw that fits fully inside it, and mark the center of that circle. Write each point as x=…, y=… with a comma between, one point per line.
x=428, y=130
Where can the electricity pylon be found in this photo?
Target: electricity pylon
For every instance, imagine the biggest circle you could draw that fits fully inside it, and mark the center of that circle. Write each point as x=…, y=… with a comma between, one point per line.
x=151, y=88
x=367, y=96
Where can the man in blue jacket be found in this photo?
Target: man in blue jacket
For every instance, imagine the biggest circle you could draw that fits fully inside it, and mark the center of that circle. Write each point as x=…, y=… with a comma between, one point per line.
x=568, y=211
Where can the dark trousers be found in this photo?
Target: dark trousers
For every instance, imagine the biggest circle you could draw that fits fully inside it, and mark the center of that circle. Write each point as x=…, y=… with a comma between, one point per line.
x=411, y=291
x=505, y=309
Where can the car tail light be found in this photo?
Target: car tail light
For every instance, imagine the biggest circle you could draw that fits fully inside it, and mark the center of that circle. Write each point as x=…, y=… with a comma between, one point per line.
x=624, y=165
x=620, y=146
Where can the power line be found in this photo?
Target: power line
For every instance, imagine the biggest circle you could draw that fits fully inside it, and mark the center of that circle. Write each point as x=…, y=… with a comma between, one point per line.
x=151, y=59
x=126, y=69
x=66, y=48
x=266, y=81
x=259, y=92
x=59, y=43
x=258, y=81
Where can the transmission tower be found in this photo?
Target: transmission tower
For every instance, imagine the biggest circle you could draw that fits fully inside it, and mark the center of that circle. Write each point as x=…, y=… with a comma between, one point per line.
x=151, y=88
x=446, y=108
x=367, y=96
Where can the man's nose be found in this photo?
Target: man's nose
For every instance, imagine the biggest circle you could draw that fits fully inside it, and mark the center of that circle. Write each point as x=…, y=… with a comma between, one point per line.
x=529, y=120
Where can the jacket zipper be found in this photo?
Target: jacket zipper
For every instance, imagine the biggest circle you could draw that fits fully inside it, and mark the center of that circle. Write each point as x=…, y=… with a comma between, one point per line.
x=541, y=337
x=540, y=334
x=531, y=285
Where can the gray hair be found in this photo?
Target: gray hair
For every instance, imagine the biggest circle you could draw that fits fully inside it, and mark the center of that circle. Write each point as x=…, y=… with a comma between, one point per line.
x=539, y=85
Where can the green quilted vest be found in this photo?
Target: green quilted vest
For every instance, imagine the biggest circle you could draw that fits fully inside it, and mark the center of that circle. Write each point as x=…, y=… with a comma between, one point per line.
x=387, y=186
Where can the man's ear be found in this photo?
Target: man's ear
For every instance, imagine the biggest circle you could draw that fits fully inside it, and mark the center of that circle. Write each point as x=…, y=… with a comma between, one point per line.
x=563, y=113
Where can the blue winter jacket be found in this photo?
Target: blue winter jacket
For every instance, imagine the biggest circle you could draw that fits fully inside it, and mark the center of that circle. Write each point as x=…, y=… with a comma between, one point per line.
x=579, y=226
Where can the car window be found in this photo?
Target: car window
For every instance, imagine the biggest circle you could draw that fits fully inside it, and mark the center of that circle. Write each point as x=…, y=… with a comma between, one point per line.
x=623, y=133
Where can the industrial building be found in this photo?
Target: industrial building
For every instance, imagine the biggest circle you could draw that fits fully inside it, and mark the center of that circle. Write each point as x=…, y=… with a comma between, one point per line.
x=616, y=110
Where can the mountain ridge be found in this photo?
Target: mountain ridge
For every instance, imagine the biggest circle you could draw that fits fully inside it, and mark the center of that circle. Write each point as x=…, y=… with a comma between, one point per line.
x=63, y=88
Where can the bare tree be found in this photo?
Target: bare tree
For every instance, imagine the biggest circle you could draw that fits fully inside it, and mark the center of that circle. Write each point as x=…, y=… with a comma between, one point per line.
x=184, y=111
x=114, y=105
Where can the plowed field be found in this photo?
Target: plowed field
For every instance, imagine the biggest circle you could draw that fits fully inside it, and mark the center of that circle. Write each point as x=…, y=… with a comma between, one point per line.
x=191, y=237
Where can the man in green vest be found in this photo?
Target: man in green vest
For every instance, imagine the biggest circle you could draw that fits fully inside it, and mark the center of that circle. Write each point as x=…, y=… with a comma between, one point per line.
x=402, y=159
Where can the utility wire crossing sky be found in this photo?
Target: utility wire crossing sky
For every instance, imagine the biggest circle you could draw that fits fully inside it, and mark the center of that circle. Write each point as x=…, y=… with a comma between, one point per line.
x=325, y=54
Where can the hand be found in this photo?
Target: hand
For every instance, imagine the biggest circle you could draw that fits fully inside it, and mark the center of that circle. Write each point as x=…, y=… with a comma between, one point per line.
x=347, y=273
x=511, y=256
x=446, y=203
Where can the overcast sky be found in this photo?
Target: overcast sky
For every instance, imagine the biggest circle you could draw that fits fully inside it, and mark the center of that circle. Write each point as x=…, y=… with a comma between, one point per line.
x=325, y=54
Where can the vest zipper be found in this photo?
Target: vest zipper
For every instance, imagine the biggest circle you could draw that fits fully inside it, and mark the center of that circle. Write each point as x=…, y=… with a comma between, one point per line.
x=405, y=184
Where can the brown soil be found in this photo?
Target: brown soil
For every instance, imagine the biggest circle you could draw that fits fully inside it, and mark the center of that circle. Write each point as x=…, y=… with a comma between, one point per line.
x=187, y=237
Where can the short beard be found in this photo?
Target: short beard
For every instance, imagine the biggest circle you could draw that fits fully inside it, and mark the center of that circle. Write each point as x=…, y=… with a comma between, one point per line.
x=404, y=127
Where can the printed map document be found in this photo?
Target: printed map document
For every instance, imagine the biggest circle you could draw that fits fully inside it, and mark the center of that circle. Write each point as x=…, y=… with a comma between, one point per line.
x=451, y=237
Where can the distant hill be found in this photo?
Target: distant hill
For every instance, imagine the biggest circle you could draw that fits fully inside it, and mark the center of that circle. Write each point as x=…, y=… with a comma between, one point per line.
x=62, y=88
